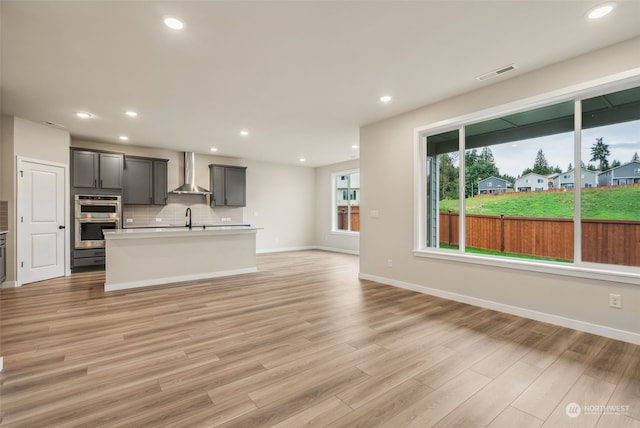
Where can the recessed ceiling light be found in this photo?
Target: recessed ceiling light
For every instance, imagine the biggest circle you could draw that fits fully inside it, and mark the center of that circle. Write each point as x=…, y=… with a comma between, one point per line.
x=385, y=98
x=131, y=113
x=173, y=23
x=124, y=137
x=355, y=146
x=302, y=160
x=213, y=149
x=84, y=114
x=244, y=132
x=600, y=11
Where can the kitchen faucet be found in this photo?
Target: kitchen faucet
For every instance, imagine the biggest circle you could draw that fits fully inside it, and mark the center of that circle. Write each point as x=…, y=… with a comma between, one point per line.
x=188, y=213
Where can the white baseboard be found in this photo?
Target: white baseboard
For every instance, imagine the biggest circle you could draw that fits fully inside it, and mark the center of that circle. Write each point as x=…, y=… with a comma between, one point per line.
x=305, y=248
x=174, y=279
x=338, y=250
x=613, y=333
x=9, y=284
x=285, y=249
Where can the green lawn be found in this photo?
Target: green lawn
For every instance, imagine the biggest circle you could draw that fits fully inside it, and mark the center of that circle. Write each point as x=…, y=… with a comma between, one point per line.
x=501, y=253
x=605, y=203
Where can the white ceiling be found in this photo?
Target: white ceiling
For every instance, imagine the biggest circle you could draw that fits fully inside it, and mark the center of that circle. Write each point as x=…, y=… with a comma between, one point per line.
x=302, y=77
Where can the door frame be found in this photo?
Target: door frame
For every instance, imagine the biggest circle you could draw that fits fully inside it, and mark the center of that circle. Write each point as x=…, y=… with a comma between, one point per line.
x=20, y=204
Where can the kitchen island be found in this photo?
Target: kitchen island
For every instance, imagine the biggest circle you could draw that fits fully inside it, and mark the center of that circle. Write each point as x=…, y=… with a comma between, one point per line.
x=145, y=257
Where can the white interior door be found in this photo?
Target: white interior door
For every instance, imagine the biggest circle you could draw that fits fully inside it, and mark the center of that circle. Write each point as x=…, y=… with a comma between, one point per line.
x=41, y=220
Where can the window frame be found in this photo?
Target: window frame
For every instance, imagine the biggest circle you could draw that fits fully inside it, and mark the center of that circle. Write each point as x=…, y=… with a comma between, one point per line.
x=334, y=203
x=579, y=268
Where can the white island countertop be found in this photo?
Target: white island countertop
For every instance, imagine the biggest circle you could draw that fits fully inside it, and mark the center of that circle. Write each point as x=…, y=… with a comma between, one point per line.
x=143, y=257
x=173, y=231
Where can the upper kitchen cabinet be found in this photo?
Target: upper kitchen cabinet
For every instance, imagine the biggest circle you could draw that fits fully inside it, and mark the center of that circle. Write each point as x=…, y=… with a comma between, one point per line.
x=228, y=185
x=145, y=181
x=160, y=181
x=97, y=170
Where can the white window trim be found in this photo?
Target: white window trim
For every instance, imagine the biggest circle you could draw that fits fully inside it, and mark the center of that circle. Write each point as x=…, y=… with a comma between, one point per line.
x=334, y=217
x=616, y=273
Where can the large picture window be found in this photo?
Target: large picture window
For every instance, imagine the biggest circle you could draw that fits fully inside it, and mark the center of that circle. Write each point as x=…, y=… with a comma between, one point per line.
x=346, y=202
x=558, y=183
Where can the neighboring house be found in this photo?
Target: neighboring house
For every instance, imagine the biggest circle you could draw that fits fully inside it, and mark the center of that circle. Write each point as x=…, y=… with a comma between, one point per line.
x=552, y=180
x=348, y=189
x=531, y=182
x=492, y=185
x=629, y=173
x=566, y=180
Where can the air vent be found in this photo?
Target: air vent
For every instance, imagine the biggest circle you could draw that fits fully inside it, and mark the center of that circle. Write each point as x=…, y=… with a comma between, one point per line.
x=55, y=125
x=497, y=72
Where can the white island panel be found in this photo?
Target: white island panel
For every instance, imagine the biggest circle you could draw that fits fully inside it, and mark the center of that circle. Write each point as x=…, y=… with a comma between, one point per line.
x=139, y=258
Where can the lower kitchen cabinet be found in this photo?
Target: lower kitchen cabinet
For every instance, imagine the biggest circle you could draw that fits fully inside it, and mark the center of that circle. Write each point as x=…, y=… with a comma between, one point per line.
x=88, y=257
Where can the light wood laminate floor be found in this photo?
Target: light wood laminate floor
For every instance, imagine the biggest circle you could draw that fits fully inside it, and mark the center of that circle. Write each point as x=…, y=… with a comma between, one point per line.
x=303, y=342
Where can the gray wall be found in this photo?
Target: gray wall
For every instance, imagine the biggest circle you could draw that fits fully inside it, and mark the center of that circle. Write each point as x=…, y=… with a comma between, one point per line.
x=390, y=191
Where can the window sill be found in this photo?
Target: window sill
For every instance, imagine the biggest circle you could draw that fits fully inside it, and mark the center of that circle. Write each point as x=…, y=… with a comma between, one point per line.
x=589, y=271
x=344, y=233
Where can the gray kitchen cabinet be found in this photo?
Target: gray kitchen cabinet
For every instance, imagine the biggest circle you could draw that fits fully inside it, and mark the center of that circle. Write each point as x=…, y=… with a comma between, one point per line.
x=228, y=185
x=160, y=184
x=111, y=170
x=145, y=181
x=97, y=170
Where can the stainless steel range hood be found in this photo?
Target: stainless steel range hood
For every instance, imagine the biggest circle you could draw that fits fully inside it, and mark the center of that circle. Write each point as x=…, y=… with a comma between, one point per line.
x=189, y=187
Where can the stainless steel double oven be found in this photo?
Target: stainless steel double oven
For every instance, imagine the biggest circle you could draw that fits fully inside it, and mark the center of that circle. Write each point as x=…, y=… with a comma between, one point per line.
x=93, y=215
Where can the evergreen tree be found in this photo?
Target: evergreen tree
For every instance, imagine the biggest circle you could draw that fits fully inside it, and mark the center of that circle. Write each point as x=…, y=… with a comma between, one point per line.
x=448, y=177
x=570, y=167
x=487, y=155
x=540, y=165
x=600, y=153
x=615, y=163
x=478, y=167
x=635, y=157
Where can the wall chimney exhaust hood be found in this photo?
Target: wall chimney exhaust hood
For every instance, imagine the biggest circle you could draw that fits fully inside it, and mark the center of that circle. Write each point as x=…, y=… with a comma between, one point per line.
x=189, y=187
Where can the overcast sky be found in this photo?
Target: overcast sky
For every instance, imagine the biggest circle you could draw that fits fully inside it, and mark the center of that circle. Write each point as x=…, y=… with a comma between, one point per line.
x=623, y=140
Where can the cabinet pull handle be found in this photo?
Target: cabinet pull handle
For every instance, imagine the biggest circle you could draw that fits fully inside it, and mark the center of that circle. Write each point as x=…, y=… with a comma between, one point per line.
x=95, y=183
x=101, y=182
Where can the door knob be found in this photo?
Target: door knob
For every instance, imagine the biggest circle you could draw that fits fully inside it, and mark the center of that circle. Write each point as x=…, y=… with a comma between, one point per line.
x=61, y=227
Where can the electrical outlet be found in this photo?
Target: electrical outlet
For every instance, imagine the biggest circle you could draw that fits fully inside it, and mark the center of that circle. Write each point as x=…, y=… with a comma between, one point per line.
x=158, y=220
x=615, y=301
x=389, y=262
x=129, y=220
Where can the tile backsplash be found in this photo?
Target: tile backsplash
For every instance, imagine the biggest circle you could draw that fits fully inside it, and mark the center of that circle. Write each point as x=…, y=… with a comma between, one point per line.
x=173, y=214
x=4, y=215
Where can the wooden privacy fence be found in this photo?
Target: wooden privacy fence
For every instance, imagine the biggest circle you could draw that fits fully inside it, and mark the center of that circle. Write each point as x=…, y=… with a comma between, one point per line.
x=603, y=241
x=343, y=218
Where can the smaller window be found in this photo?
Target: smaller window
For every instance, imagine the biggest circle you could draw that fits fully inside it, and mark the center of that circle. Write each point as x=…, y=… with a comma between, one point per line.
x=489, y=184
x=346, y=204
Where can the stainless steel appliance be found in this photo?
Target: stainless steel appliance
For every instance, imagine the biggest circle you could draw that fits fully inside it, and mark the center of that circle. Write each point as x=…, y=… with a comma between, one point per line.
x=93, y=215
